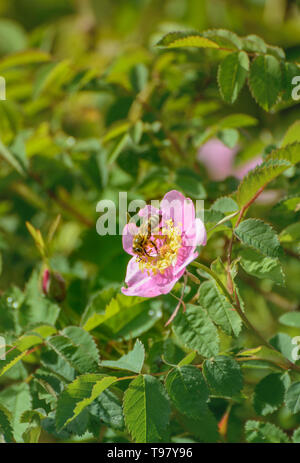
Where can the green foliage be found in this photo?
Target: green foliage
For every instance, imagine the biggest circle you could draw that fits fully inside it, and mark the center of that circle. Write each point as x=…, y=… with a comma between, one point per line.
x=264, y=402
x=292, y=397
x=166, y=97
x=262, y=267
x=283, y=343
x=195, y=330
x=219, y=309
x=260, y=432
x=290, y=319
x=260, y=236
x=76, y=347
x=182, y=39
x=146, y=409
x=78, y=395
x=265, y=80
x=232, y=75
x=187, y=390
x=223, y=375
x=259, y=178
x=5, y=425
x=133, y=361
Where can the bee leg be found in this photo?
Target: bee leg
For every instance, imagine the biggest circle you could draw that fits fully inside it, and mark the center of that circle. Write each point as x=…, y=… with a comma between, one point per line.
x=154, y=245
x=146, y=253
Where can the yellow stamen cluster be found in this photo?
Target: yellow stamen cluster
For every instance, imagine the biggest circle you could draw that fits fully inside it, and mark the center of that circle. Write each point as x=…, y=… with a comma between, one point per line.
x=167, y=252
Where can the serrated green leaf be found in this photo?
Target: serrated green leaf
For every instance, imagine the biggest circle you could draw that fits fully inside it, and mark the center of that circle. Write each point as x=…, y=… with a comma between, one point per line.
x=196, y=331
x=223, y=375
x=219, y=309
x=187, y=389
x=204, y=428
x=224, y=38
x=78, y=395
x=133, y=361
x=5, y=424
x=268, y=394
x=77, y=348
x=108, y=408
x=12, y=358
x=265, y=80
x=232, y=74
x=260, y=432
x=261, y=267
x=17, y=400
x=290, y=153
x=276, y=51
x=258, y=178
x=185, y=39
x=292, y=397
x=254, y=43
x=146, y=409
x=259, y=235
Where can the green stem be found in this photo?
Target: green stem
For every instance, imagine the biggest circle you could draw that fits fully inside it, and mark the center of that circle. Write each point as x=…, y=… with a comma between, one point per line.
x=215, y=277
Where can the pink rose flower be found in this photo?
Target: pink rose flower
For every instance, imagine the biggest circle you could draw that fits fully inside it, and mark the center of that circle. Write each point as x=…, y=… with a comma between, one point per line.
x=219, y=160
x=180, y=232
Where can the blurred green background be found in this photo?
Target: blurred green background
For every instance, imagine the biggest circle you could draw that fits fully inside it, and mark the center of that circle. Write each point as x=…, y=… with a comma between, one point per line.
x=96, y=109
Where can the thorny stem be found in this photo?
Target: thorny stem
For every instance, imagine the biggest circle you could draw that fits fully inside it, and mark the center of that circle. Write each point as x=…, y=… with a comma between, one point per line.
x=242, y=211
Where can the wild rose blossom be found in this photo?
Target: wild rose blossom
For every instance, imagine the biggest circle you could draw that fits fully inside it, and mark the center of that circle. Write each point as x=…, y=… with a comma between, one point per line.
x=180, y=233
x=219, y=160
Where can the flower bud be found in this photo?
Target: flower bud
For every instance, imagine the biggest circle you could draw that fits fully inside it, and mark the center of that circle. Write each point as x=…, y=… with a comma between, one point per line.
x=54, y=286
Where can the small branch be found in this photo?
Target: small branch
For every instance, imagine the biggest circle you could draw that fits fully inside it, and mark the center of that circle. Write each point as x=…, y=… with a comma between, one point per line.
x=233, y=299
x=63, y=204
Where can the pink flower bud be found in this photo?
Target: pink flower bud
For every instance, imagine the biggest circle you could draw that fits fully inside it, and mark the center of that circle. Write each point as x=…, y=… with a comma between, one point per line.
x=53, y=285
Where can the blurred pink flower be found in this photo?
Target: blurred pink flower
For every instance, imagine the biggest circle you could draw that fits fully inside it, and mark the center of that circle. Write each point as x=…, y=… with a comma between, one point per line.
x=157, y=272
x=219, y=160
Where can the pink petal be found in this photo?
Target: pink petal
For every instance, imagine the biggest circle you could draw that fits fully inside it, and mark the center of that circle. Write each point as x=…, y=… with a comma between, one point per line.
x=188, y=259
x=147, y=211
x=217, y=158
x=178, y=208
x=141, y=284
x=201, y=235
x=128, y=233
